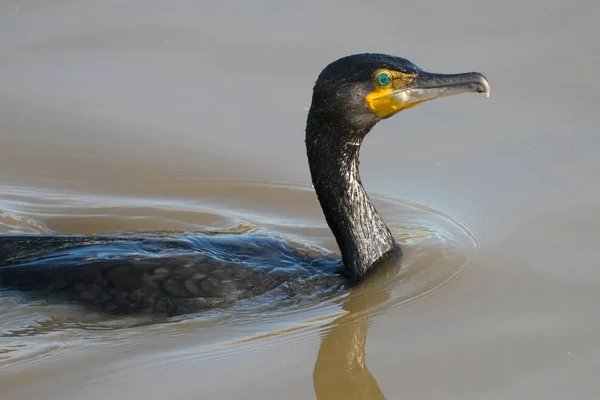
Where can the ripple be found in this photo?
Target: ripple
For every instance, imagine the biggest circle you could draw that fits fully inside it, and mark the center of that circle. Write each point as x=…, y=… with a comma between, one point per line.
x=436, y=248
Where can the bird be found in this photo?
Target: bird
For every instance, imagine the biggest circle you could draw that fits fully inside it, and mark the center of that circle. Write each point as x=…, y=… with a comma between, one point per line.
x=189, y=273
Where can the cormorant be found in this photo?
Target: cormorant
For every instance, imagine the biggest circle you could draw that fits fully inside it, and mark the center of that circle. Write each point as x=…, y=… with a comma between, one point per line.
x=185, y=274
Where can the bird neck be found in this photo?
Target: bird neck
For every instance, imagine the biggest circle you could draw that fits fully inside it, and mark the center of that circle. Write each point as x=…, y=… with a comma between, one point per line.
x=333, y=156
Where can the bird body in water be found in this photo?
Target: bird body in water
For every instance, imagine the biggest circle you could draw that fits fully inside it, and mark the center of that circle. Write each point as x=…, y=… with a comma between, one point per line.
x=186, y=274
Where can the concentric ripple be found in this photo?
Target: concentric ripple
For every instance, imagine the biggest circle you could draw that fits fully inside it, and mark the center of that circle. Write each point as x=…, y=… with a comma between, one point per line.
x=436, y=248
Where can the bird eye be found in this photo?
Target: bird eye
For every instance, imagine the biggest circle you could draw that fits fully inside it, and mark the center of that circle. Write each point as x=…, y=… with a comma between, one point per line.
x=383, y=79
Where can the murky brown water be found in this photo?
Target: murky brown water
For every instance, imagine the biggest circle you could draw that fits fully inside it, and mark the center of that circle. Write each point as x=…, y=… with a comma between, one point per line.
x=189, y=116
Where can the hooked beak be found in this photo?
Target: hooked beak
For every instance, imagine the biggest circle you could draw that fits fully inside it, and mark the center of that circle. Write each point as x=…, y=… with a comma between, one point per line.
x=428, y=86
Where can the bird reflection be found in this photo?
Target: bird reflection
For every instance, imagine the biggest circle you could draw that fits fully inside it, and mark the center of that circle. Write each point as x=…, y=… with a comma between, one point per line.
x=341, y=370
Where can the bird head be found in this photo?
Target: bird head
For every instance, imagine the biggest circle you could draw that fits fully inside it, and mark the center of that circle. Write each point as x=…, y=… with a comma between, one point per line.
x=363, y=89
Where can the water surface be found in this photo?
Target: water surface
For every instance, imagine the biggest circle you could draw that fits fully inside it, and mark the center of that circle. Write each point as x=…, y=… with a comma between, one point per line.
x=188, y=117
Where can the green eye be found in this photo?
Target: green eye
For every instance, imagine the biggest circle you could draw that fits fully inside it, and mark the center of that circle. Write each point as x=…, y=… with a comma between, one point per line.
x=383, y=79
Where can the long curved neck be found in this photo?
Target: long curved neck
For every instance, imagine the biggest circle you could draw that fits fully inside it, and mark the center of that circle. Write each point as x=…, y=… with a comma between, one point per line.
x=362, y=236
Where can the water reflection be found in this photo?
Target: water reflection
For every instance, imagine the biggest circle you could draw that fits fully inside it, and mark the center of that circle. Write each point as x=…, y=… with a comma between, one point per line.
x=341, y=370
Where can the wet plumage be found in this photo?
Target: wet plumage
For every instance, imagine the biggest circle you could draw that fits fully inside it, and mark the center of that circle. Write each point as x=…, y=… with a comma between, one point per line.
x=175, y=275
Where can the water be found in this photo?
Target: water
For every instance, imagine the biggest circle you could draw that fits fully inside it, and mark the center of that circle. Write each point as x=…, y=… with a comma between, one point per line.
x=34, y=331
x=141, y=115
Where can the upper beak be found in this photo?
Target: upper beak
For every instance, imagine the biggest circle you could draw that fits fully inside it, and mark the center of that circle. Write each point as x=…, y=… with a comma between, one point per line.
x=428, y=86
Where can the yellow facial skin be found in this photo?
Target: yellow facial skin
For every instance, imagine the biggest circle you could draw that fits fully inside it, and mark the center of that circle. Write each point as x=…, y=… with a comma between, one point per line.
x=382, y=101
